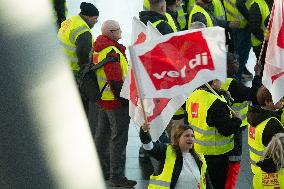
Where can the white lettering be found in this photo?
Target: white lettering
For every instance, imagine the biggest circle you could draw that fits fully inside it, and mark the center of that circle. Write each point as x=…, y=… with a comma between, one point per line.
x=160, y=76
x=173, y=74
x=200, y=59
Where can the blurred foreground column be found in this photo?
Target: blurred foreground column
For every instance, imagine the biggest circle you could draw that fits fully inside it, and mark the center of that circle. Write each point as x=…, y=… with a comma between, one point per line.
x=45, y=140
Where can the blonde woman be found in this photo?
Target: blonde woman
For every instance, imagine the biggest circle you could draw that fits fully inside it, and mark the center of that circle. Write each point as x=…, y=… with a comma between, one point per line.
x=271, y=175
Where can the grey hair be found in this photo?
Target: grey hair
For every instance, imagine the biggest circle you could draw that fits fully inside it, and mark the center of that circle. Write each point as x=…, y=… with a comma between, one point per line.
x=197, y=25
x=275, y=150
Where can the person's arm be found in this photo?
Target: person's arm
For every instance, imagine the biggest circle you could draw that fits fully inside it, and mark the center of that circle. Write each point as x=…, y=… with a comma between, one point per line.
x=218, y=116
x=198, y=17
x=114, y=76
x=59, y=7
x=241, y=6
x=241, y=93
x=272, y=127
x=254, y=23
x=156, y=150
x=83, y=48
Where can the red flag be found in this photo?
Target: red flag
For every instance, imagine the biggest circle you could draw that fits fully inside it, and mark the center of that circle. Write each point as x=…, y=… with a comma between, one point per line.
x=179, y=62
x=273, y=74
x=159, y=111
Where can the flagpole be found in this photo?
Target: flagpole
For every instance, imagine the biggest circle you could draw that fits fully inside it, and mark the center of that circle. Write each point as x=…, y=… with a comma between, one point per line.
x=132, y=54
x=214, y=92
x=265, y=37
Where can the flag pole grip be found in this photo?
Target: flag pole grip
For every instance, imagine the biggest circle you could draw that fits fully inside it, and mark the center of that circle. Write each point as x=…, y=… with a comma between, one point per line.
x=214, y=92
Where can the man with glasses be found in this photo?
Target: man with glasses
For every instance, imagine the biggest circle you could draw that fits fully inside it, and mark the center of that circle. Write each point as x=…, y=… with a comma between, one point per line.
x=113, y=121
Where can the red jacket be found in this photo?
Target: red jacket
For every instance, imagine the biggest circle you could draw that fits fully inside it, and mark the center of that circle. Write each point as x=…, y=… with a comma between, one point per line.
x=112, y=70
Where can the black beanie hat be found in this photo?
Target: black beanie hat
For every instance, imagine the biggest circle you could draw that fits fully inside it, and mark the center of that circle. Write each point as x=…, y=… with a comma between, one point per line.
x=170, y=2
x=88, y=9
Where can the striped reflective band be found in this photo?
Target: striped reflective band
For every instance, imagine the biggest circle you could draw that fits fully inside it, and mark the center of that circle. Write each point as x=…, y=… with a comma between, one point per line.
x=72, y=59
x=232, y=4
x=253, y=162
x=160, y=183
x=75, y=33
x=214, y=143
x=259, y=153
x=239, y=17
x=204, y=132
x=68, y=47
x=244, y=116
x=240, y=107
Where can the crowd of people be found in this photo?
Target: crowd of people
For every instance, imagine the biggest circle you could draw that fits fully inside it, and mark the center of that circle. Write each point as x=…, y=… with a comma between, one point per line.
x=204, y=145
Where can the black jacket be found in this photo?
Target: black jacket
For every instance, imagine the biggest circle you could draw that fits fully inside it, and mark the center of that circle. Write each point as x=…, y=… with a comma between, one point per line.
x=209, y=9
x=83, y=48
x=256, y=115
x=255, y=18
x=159, y=153
x=163, y=27
x=175, y=18
x=218, y=116
x=241, y=93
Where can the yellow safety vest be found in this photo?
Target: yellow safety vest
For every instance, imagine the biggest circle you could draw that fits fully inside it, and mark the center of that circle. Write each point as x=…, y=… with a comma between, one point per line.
x=180, y=111
x=219, y=11
x=170, y=21
x=146, y=5
x=233, y=14
x=242, y=108
x=199, y=9
x=263, y=180
x=182, y=16
x=190, y=5
x=101, y=76
x=68, y=34
x=208, y=140
x=256, y=148
x=265, y=12
x=163, y=181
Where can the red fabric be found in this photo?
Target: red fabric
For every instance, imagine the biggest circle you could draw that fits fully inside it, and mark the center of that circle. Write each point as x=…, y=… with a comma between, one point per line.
x=232, y=176
x=112, y=70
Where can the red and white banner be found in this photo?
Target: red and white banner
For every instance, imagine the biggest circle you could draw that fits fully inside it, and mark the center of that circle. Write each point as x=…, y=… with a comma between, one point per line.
x=159, y=111
x=273, y=74
x=275, y=49
x=178, y=63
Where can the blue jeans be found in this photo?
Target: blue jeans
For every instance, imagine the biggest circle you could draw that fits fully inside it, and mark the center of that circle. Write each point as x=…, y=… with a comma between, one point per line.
x=242, y=46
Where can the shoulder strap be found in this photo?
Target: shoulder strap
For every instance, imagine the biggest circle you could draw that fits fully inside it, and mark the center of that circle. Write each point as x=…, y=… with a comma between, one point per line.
x=103, y=62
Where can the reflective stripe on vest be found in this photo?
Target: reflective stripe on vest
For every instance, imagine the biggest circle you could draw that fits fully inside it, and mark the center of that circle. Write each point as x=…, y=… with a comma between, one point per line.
x=199, y=9
x=242, y=107
x=107, y=93
x=171, y=22
x=68, y=34
x=219, y=11
x=182, y=16
x=233, y=14
x=163, y=181
x=256, y=147
x=265, y=12
x=208, y=141
x=263, y=180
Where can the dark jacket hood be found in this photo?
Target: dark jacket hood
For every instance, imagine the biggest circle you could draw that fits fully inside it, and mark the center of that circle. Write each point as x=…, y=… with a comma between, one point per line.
x=103, y=42
x=151, y=16
x=256, y=115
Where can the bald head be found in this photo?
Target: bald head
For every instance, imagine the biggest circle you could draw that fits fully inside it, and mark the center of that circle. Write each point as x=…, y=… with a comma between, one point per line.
x=111, y=29
x=158, y=6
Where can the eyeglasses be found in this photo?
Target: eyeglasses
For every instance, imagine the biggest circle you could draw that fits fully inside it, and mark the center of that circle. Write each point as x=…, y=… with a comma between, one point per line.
x=115, y=30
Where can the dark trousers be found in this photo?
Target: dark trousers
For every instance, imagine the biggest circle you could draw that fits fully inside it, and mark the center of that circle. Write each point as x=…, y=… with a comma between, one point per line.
x=242, y=46
x=217, y=167
x=111, y=140
x=93, y=117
